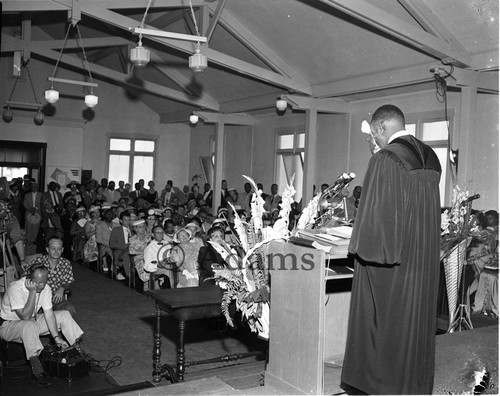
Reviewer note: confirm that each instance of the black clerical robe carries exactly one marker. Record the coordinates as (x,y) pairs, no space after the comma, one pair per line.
(392,319)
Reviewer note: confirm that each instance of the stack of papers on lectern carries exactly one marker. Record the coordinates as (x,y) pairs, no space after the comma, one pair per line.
(335,242)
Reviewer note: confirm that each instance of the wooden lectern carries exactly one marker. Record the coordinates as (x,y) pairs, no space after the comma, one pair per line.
(310,296)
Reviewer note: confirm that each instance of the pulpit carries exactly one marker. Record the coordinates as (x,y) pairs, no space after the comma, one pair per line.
(310,296)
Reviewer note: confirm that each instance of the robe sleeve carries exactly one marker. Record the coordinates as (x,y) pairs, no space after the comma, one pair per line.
(378,228)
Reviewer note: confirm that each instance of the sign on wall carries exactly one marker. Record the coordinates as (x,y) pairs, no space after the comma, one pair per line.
(63,175)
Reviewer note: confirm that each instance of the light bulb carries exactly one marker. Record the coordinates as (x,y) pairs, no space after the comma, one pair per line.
(51,95)
(91,100)
(39,118)
(193,119)
(281,104)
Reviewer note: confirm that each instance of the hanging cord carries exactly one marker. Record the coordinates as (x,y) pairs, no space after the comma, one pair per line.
(144,20)
(86,62)
(60,53)
(194,19)
(25,63)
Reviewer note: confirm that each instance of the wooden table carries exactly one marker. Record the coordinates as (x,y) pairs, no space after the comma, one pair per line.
(184,304)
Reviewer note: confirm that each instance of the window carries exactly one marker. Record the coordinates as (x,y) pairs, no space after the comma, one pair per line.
(290,161)
(131,160)
(434,132)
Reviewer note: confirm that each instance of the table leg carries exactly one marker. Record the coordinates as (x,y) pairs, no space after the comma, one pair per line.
(157,369)
(180,352)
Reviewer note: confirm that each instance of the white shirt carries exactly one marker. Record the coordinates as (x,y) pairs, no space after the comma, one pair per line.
(17,296)
(398,134)
(151,255)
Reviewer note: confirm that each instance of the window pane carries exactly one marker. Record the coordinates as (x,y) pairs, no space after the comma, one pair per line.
(435,131)
(119,144)
(441,153)
(285,141)
(288,165)
(144,145)
(301,140)
(143,168)
(410,128)
(119,168)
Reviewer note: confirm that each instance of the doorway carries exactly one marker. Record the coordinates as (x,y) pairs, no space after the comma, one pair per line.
(18,159)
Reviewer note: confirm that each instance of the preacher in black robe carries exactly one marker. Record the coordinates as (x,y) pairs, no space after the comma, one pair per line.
(392,320)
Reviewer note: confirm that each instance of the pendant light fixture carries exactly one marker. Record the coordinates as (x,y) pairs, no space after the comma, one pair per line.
(140,56)
(52,95)
(8,114)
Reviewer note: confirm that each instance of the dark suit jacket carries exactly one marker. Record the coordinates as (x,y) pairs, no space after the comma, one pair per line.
(206,257)
(117,239)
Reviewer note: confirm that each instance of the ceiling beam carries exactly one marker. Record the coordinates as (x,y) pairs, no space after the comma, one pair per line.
(217,57)
(178,116)
(226,119)
(64,5)
(247,38)
(430,22)
(482,81)
(261,102)
(215,18)
(401,30)
(375,81)
(485,61)
(121,78)
(87,43)
(320,105)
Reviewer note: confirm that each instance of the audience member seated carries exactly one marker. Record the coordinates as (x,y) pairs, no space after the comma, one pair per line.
(118,242)
(102,234)
(483,257)
(73,193)
(207,194)
(66,221)
(60,275)
(90,251)
(272,201)
(208,257)
(22,323)
(156,265)
(136,246)
(185,256)
(51,221)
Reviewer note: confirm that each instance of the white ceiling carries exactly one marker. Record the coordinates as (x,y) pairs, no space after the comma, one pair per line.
(263,48)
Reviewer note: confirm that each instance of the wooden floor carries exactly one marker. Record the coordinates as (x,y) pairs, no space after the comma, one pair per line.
(119,324)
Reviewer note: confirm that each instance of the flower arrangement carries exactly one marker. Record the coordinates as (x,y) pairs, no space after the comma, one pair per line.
(246,278)
(454,221)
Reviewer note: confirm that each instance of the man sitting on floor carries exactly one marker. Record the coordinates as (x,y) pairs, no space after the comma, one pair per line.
(22,323)
(60,275)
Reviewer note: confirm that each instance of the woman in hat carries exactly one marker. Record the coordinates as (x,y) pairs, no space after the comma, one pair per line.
(188,266)
(137,244)
(151,222)
(90,253)
(73,192)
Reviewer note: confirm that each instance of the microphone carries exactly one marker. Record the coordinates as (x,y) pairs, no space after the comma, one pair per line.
(471,198)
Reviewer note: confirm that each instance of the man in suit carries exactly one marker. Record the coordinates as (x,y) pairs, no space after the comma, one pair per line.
(273,199)
(102,235)
(169,193)
(52,210)
(207,194)
(33,216)
(118,242)
(111,194)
